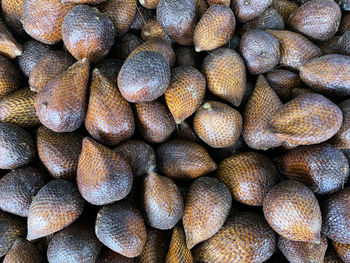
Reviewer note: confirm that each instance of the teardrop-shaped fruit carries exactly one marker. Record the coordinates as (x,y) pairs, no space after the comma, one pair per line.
(144,77)
(9,47)
(247,10)
(87,33)
(43,20)
(12,11)
(285,8)
(61,104)
(185,93)
(151,29)
(56,205)
(208,203)
(156,246)
(23,251)
(16,146)
(214,29)
(120,227)
(109,256)
(292,210)
(10,77)
(178,251)
(109,118)
(102,176)
(181,160)
(162,201)
(295,49)
(245,238)
(226,75)
(343,251)
(342,138)
(308,119)
(17,189)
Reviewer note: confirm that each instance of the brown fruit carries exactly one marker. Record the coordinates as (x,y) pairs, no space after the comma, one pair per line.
(48,68)
(23,251)
(187,56)
(61,104)
(43,21)
(214,29)
(295,49)
(12,11)
(344,23)
(178,251)
(328,74)
(322,168)
(109,118)
(9,47)
(343,251)
(342,138)
(17,189)
(260,50)
(152,29)
(156,247)
(144,77)
(10,77)
(247,10)
(343,44)
(185,93)
(178,19)
(285,8)
(331,256)
(154,121)
(296,251)
(151,4)
(186,132)
(125,45)
(292,210)
(16,146)
(183,160)
(83,1)
(110,68)
(18,108)
(249,176)
(244,238)
(141,17)
(120,227)
(219,2)
(226,75)
(109,256)
(208,203)
(102,176)
(317,19)
(217,124)
(201,7)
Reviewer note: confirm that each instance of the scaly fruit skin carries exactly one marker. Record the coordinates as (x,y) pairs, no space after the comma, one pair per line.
(292,210)
(342,138)
(23,251)
(12,11)
(9,47)
(156,246)
(10,77)
(344,44)
(110,256)
(151,29)
(247,10)
(178,251)
(331,256)
(343,251)
(285,8)
(150,4)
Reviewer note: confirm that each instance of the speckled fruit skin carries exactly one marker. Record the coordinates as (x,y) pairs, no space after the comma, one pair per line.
(247,10)
(9,47)
(23,251)
(10,77)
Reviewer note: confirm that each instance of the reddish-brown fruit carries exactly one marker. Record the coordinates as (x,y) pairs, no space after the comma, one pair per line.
(285,8)
(125,45)
(18,108)
(152,29)
(56,205)
(162,201)
(61,104)
(336,219)
(201,7)
(322,168)
(187,56)
(344,4)
(178,19)
(23,251)
(317,19)
(16,146)
(9,47)
(102,176)
(225,72)
(249,176)
(186,132)
(245,238)
(18,188)
(10,77)
(214,29)
(329,46)
(110,68)
(183,160)
(292,210)
(342,138)
(217,124)
(76,243)
(156,247)
(12,11)
(219,2)
(343,251)
(344,23)
(296,251)
(144,77)
(328,74)
(208,203)
(141,17)
(178,251)
(121,228)
(43,21)
(49,67)
(83,1)
(331,256)
(247,10)
(185,93)
(295,49)
(343,44)
(154,121)
(109,118)
(109,256)
(151,4)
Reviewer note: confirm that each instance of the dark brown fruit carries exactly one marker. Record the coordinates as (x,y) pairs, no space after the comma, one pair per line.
(141,17)
(12,11)
(121,228)
(178,19)
(186,132)
(43,21)
(201,7)
(10,77)
(156,247)
(225,72)
(342,138)
(16,146)
(344,43)
(219,2)
(9,47)
(144,77)
(103,176)
(110,68)
(151,4)
(208,203)
(56,205)
(61,104)
(183,160)
(178,251)
(109,256)
(152,29)
(344,4)
(214,29)
(331,256)
(343,251)
(59,152)
(109,118)
(23,251)
(285,8)
(249,176)
(18,188)
(317,19)
(154,121)
(245,238)
(125,45)
(292,210)
(83,1)
(187,56)
(247,10)
(344,23)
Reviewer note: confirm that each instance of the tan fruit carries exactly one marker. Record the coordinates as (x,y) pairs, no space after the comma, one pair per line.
(178,251)
(156,246)
(23,251)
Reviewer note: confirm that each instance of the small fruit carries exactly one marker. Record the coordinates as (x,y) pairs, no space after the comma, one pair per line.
(178,251)
(23,251)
